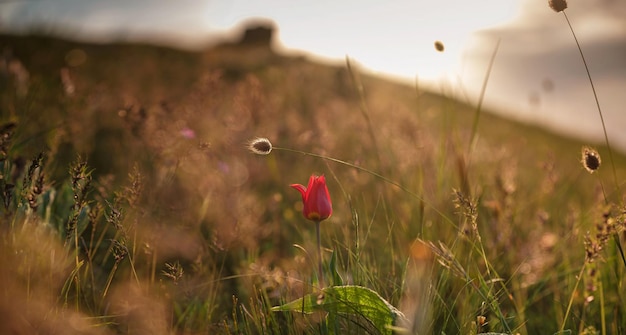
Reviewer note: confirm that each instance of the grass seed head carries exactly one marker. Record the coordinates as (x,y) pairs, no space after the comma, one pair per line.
(557,5)
(260,146)
(590,159)
(6,134)
(439,46)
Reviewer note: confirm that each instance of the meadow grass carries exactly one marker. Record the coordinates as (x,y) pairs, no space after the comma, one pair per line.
(132,204)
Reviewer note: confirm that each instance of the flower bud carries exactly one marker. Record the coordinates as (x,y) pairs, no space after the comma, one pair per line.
(315,198)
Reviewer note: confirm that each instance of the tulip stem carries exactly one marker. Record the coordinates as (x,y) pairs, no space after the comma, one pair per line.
(320,267)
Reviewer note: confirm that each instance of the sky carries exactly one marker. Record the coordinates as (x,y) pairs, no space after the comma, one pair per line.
(537,75)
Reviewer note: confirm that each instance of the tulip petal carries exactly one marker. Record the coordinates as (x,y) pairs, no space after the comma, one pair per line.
(301,189)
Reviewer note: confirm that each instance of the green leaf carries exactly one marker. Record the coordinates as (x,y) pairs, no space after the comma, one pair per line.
(348,301)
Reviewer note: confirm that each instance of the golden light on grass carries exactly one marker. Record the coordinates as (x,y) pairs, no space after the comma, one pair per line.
(195,231)
(260,146)
(590,159)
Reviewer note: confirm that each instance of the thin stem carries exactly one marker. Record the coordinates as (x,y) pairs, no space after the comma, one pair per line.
(606,136)
(320,267)
(602,309)
(571,300)
(481,98)
(358,86)
(593,88)
(619,247)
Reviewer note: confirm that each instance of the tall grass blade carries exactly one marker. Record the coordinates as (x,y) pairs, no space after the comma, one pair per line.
(481,98)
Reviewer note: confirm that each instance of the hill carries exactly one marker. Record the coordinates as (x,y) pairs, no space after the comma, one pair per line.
(161,137)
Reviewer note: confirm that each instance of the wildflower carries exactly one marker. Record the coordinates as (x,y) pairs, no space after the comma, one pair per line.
(557,5)
(317,207)
(590,159)
(260,146)
(188,133)
(316,199)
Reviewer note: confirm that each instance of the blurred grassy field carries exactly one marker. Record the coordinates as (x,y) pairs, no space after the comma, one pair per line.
(147,214)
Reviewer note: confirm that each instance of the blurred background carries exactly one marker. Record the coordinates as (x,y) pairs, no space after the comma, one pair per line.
(156,218)
(537,77)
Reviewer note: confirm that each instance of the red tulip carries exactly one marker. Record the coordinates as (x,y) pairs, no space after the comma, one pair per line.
(316,199)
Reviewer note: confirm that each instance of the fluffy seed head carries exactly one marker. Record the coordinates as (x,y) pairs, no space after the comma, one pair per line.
(591,159)
(557,5)
(260,146)
(439,46)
